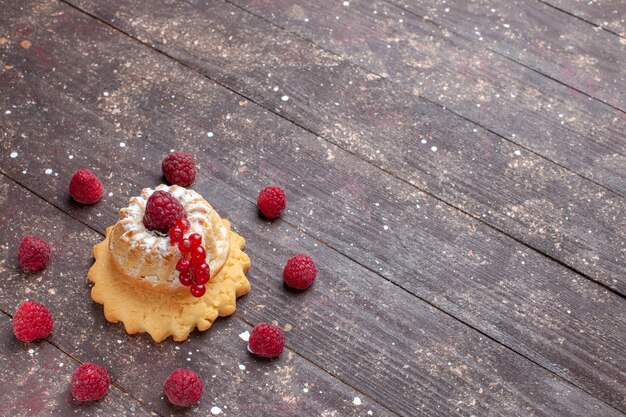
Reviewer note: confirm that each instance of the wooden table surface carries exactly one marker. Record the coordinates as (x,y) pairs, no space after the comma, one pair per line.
(456,168)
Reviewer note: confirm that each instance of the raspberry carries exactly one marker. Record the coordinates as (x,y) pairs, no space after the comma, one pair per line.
(179,168)
(32,321)
(183,387)
(85,187)
(162,211)
(33,254)
(90,382)
(272,201)
(266,340)
(300,272)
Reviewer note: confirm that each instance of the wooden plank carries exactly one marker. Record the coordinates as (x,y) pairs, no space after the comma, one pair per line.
(535,201)
(540,37)
(585,136)
(236,382)
(36,381)
(608,14)
(540,317)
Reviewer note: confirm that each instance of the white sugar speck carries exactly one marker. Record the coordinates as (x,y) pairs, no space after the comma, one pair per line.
(275,88)
(122,145)
(110,194)
(242,367)
(506,25)
(31,351)
(48,171)
(210,134)
(356,401)
(518,152)
(61,364)
(424,141)
(7,112)
(369,412)
(346,3)
(305,390)
(71,156)
(434,149)
(13,154)
(385,227)
(216,410)
(284,98)
(106,94)
(447,9)
(245,335)
(306,19)
(119,342)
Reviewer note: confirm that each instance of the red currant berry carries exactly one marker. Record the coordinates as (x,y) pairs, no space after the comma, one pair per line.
(198,290)
(176,234)
(183,264)
(202,278)
(201,270)
(184,246)
(195,239)
(183,224)
(198,254)
(185,278)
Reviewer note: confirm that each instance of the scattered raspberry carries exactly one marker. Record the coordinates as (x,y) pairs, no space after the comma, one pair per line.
(183,387)
(272,201)
(33,254)
(266,340)
(90,382)
(162,211)
(85,187)
(179,168)
(32,321)
(300,272)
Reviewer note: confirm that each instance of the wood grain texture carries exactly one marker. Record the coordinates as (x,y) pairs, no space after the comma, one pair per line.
(541,37)
(535,201)
(583,135)
(608,14)
(513,294)
(383,337)
(36,382)
(235,381)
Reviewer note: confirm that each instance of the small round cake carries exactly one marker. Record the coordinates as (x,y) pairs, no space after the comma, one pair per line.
(135,276)
(148,258)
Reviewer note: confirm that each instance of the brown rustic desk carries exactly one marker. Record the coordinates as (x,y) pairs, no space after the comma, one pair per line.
(456,168)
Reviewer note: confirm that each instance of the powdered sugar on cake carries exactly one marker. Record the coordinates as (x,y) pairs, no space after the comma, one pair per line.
(148,256)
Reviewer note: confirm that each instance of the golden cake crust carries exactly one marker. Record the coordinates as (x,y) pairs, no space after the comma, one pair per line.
(164,314)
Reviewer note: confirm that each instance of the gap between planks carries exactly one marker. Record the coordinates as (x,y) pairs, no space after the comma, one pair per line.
(441,26)
(248,323)
(492,227)
(452,316)
(581,18)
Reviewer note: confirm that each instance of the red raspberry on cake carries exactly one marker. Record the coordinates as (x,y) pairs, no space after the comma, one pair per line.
(272,201)
(85,187)
(300,272)
(32,321)
(183,387)
(162,211)
(179,168)
(90,382)
(266,340)
(33,254)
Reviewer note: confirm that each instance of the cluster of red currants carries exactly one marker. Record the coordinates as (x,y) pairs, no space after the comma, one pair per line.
(193,270)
